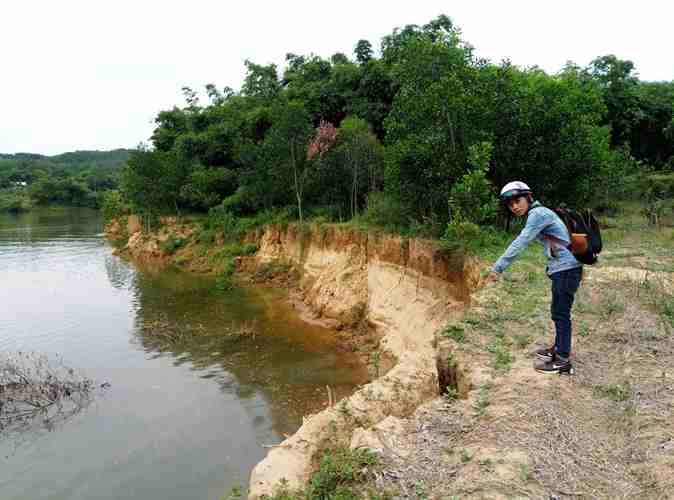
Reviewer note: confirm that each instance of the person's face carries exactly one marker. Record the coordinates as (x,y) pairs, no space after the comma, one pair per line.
(519,205)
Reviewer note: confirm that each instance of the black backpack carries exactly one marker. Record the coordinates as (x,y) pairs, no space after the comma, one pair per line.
(581,224)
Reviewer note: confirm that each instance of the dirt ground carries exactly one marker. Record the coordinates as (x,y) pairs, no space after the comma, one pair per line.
(605,432)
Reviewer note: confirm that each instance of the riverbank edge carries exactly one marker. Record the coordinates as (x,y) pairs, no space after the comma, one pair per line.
(405,289)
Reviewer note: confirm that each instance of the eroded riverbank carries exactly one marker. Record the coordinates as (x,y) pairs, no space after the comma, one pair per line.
(403,289)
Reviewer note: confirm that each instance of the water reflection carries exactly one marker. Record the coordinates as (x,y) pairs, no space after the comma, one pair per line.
(249,342)
(119,272)
(181,420)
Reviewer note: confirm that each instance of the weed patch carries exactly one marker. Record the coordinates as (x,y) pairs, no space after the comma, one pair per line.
(337,478)
(455,333)
(483,399)
(501,358)
(522,340)
(614,392)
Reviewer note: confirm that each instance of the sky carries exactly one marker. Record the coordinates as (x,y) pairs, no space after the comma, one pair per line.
(93,74)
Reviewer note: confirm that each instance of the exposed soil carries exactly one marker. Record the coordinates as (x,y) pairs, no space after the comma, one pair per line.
(605,432)
(504,431)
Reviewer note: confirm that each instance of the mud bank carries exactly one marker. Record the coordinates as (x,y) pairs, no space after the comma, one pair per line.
(405,289)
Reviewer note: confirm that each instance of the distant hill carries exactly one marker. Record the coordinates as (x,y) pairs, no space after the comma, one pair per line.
(116,157)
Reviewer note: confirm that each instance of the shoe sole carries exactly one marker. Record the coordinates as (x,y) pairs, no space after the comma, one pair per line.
(543,357)
(566,371)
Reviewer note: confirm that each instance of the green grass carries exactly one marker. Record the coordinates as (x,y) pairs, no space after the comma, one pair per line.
(229,250)
(614,392)
(337,478)
(522,340)
(524,472)
(454,332)
(501,359)
(451,394)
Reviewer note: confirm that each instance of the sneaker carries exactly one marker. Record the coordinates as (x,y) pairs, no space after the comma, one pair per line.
(557,365)
(546,354)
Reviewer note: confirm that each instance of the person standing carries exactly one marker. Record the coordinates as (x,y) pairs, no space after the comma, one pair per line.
(564,271)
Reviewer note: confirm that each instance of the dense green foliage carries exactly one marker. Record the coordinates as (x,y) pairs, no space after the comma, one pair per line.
(419,136)
(74,179)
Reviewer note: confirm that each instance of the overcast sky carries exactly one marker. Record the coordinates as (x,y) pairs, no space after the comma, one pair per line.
(92,74)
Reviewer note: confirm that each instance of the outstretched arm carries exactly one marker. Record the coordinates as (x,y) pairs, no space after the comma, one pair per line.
(535,224)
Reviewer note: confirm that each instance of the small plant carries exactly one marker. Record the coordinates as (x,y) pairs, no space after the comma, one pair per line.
(224,282)
(172,244)
(339,468)
(501,357)
(524,472)
(465,456)
(451,362)
(611,304)
(649,335)
(451,394)
(235,493)
(455,333)
(583,330)
(522,340)
(375,360)
(483,399)
(206,236)
(344,409)
(420,490)
(614,392)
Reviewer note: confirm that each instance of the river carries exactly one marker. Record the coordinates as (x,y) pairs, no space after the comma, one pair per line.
(185,421)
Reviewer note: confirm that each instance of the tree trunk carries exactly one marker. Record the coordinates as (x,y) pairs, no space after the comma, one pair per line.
(298,192)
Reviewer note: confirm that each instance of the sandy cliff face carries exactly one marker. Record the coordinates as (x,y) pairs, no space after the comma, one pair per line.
(405,288)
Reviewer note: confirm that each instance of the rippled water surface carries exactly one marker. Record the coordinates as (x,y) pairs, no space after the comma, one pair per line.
(180,421)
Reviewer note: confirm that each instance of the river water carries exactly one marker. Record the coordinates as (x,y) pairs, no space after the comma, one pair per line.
(179,421)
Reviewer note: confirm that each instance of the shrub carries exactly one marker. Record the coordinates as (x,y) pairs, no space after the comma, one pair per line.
(385,210)
(467,237)
(338,469)
(172,244)
(206,236)
(472,197)
(113,205)
(224,282)
(14,203)
(454,332)
(614,392)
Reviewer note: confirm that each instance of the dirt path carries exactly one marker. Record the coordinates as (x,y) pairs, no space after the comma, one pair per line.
(605,432)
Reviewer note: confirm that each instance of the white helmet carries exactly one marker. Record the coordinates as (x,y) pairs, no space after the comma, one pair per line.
(513,189)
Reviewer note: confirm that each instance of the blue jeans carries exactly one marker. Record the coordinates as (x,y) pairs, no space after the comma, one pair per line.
(564,287)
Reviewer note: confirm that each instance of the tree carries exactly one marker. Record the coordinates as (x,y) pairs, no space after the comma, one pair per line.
(287,143)
(363,51)
(261,81)
(363,155)
(153,180)
(339,58)
(618,86)
(206,187)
